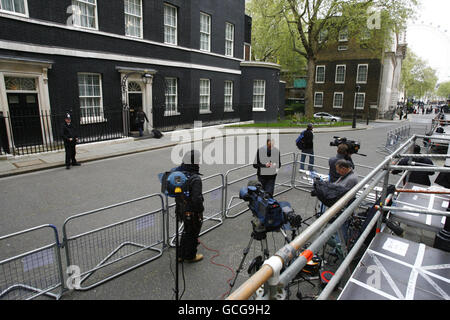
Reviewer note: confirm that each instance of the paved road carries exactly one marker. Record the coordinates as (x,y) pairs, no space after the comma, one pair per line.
(54,195)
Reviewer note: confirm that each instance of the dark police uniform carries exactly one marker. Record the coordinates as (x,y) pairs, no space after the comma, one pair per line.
(69,132)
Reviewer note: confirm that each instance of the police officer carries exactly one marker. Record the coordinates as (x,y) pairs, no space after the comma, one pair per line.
(70,138)
(190,208)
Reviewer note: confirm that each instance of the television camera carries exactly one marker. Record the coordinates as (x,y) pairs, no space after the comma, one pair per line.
(271,214)
(353,146)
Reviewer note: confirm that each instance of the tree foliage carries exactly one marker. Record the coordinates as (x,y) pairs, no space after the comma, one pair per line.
(444,90)
(418,79)
(307,26)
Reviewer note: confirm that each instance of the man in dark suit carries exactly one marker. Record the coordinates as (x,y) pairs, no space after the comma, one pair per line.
(70,137)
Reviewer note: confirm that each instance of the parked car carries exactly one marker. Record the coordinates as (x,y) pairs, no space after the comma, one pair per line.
(327,116)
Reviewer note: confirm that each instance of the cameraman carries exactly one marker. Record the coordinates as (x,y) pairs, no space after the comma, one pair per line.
(348,177)
(342,154)
(190,208)
(265,163)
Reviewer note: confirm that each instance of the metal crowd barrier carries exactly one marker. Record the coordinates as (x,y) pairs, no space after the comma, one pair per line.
(395,137)
(247,173)
(33,273)
(104,246)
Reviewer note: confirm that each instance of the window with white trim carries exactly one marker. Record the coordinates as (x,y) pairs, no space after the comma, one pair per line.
(85,15)
(318,100)
(90,94)
(205,95)
(14,6)
(343,35)
(229,39)
(228,99)
(360,99)
(338,101)
(363,71)
(259,95)
(205,32)
(170,24)
(320,74)
(171,96)
(133,18)
(340,73)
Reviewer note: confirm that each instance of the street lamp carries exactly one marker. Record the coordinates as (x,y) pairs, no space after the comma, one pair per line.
(358,88)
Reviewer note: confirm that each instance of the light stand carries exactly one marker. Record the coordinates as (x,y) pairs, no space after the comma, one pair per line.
(358,88)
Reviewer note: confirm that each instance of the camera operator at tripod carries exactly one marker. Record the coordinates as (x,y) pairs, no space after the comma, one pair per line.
(189,204)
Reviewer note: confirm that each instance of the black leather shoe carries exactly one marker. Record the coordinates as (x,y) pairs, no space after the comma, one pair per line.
(76,164)
(67,167)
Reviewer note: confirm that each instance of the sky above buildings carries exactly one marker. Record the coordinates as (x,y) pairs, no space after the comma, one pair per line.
(427,38)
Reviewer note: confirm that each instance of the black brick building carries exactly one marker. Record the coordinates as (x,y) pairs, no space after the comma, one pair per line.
(178,60)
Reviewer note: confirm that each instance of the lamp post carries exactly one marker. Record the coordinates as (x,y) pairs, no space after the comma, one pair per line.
(358,88)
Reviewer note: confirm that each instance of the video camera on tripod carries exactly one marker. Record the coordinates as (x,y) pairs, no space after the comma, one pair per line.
(353,146)
(271,214)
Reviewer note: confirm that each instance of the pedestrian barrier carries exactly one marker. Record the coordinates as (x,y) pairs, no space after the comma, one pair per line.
(34,273)
(248,173)
(145,228)
(394,138)
(99,248)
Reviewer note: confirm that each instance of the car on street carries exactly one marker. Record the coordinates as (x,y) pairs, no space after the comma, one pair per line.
(327,116)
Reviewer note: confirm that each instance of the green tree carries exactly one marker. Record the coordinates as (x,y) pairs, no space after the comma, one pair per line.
(271,38)
(444,90)
(418,79)
(314,24)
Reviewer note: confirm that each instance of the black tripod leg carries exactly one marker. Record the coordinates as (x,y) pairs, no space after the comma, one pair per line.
(246,251)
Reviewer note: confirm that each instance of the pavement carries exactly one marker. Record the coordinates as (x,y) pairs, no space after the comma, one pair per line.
(15,165)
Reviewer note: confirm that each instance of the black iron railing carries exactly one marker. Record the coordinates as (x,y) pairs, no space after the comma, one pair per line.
(29,133)
(184,116)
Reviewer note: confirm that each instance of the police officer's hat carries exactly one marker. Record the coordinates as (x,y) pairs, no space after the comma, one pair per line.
(67,116)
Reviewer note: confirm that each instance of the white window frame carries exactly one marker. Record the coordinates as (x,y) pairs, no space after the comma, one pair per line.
(336,75)
(95,118)
(140,17)
(256,93)
(324,73)
(343,32)
(334,100)
(343,48)
(208,95)
(171,112)
(175,28)
(77,20)
(228,103)
(25,6)
(367,74)
(229,42)
(315,96)
(364,100)
(207,33)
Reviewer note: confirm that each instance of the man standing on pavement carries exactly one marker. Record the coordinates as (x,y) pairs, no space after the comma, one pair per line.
(308,149)
(267,161)
(70,138)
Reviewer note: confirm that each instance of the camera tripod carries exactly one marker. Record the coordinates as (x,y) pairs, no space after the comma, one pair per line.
(260,234)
